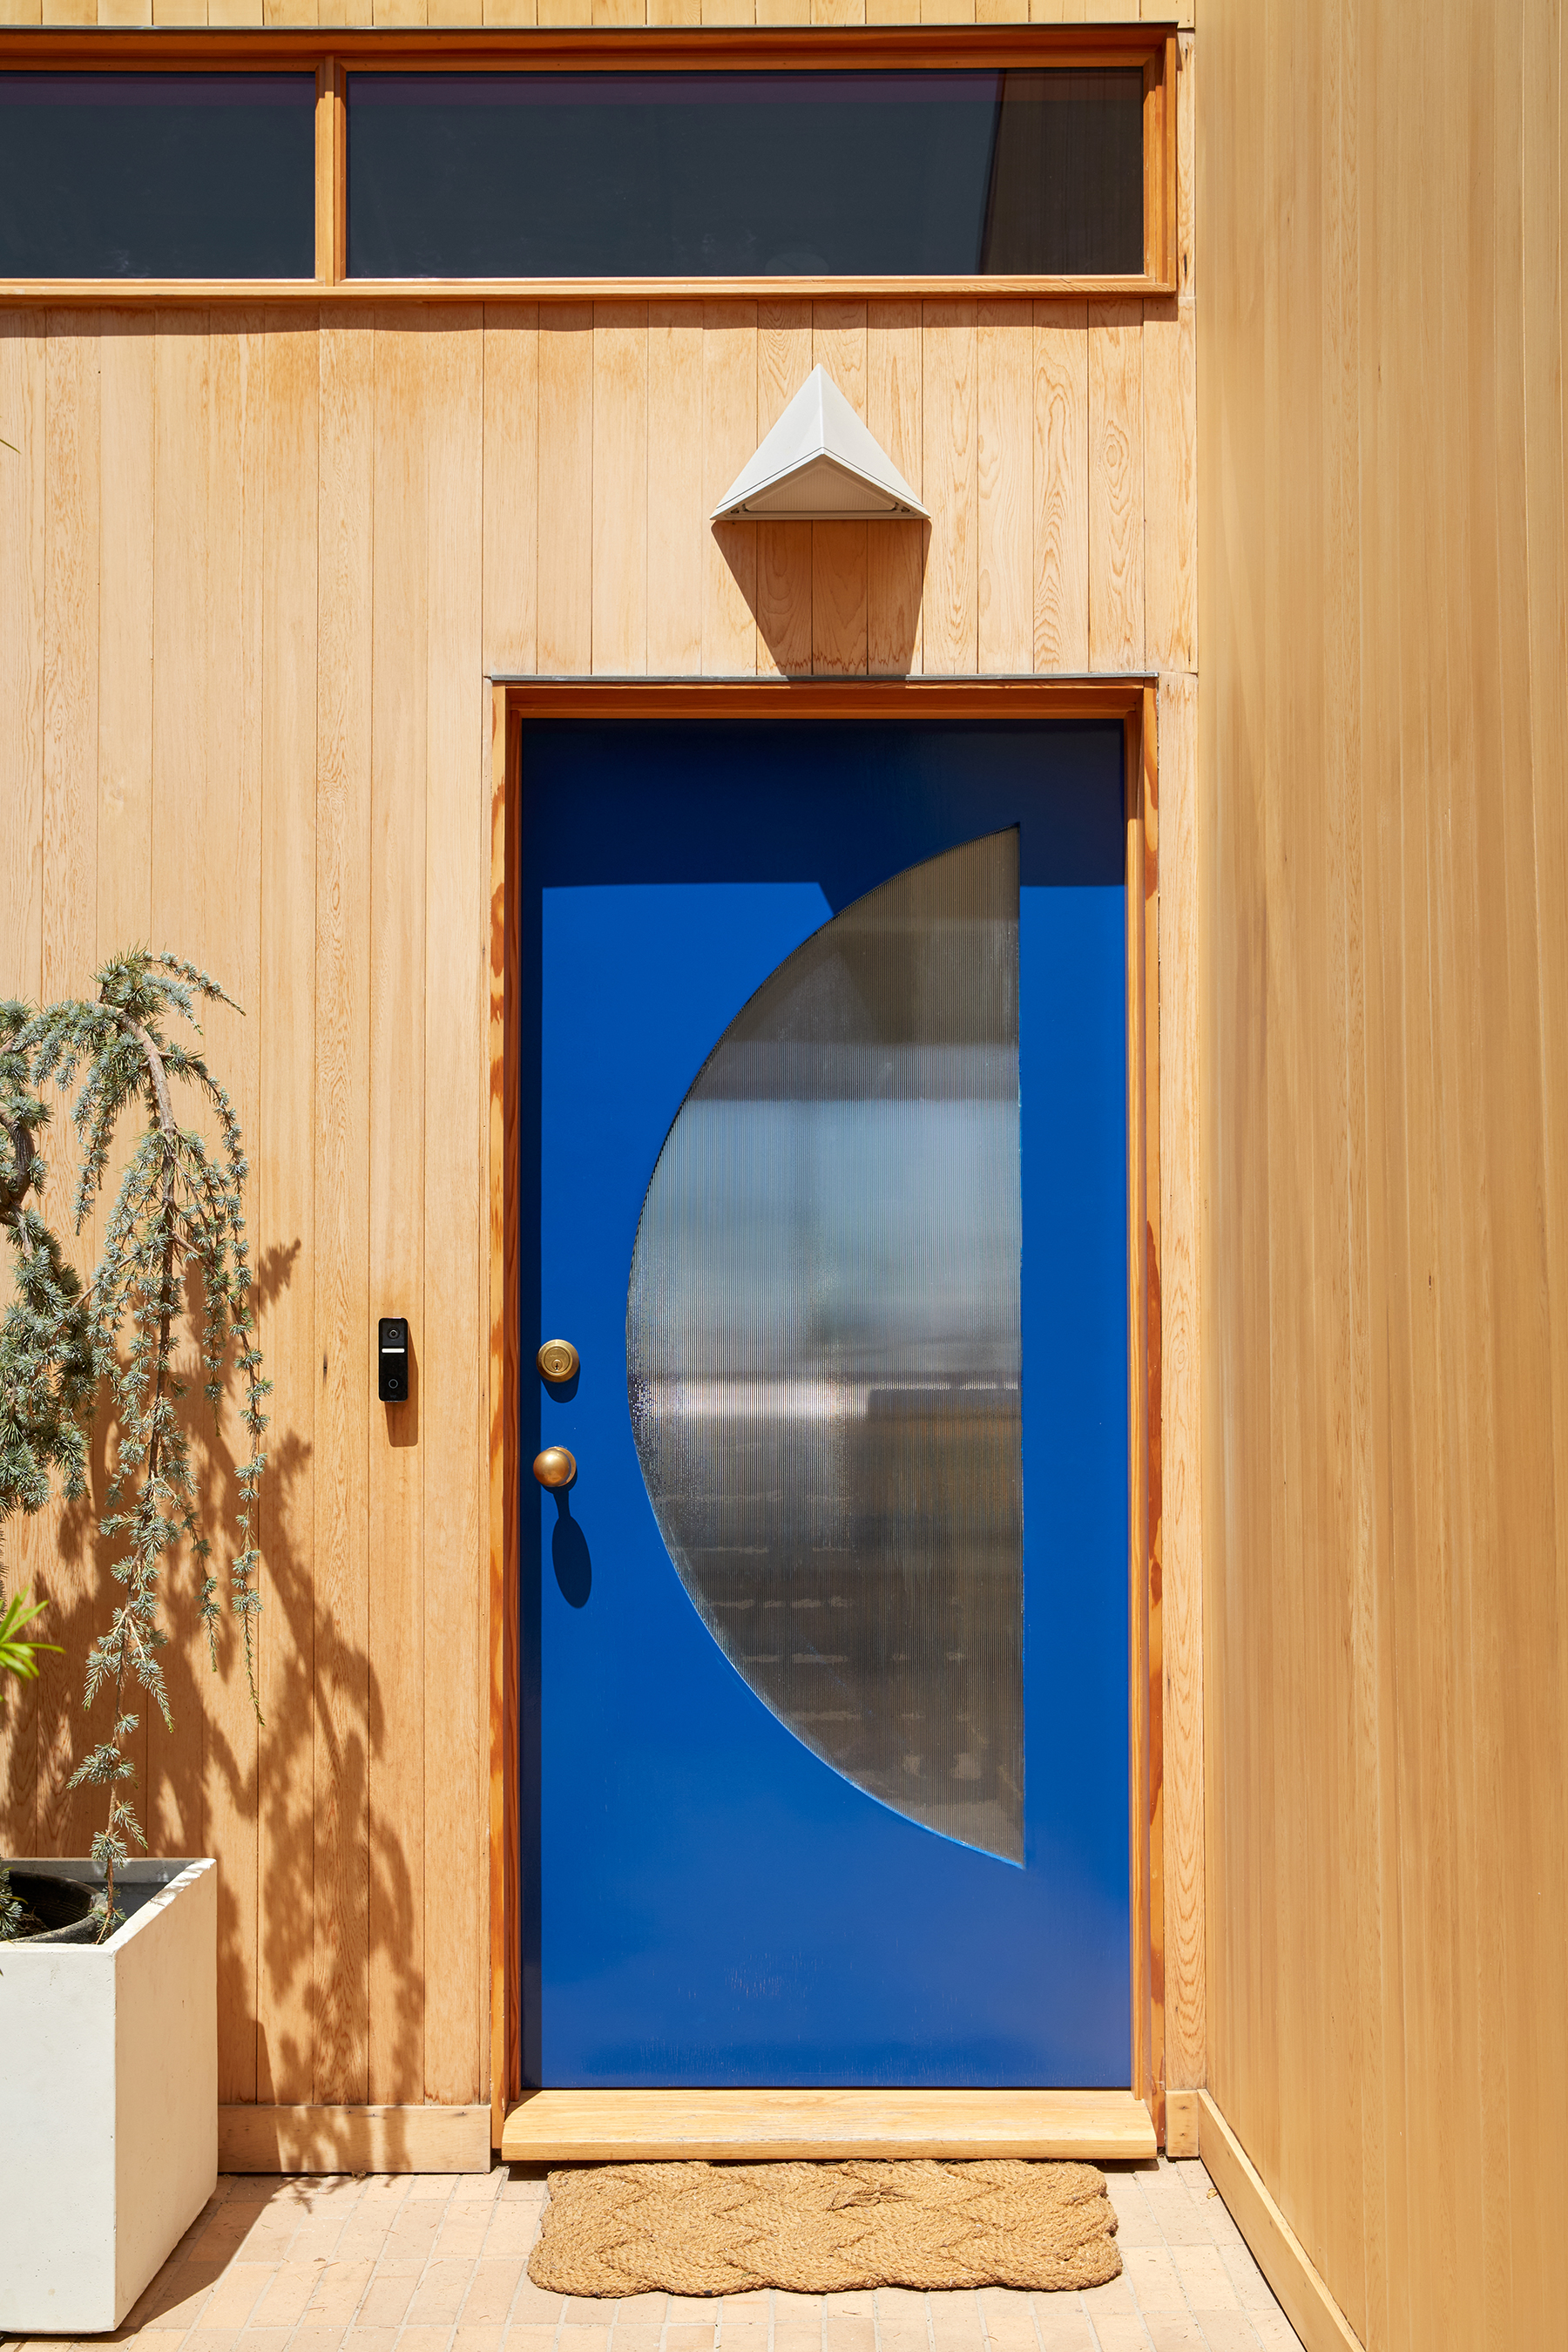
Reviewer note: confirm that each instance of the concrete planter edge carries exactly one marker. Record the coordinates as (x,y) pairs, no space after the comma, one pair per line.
(108,2102)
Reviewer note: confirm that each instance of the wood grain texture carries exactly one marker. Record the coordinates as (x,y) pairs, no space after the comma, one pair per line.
(457,860)
(728,438)
(678,550)
(895,552)
(1170,485)
(1115,486)
(1181,1326)
(511,485)
(31,1545)
(221,917)
(839,551)
(1304,2297)
(1186,164)
(23,358)
(127,356)
(332,127)
(502,1433)
(1385,1289)
(949,394)
(72,509)
(392,15)
(651,2127)
(1182,2113)
(783,548)
(344,1315)
(284,1205)
(620,472)
(182,864)
(358,2139)
(400,742)
(123,869)
(565,489)
(1060,422)
(1006,484)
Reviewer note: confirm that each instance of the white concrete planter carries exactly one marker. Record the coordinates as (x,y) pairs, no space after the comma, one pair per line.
(108,2102)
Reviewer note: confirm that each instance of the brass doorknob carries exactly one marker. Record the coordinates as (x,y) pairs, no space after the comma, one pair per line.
(555,1466)
(557,1360)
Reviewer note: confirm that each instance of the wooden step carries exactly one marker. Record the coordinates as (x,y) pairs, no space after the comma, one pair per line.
(617,2126)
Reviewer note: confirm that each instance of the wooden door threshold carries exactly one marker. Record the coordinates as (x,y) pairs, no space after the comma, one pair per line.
(621,2127)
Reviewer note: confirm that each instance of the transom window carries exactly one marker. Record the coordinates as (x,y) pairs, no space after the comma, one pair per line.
(157,175)
(1008,159)
(745,174)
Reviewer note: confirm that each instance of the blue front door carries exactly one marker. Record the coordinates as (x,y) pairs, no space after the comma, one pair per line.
(824,1652)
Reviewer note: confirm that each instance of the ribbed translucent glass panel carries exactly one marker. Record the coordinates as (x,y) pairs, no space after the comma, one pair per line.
(823,1345)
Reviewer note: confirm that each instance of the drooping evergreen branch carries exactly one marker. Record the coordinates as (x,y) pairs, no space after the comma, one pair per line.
(179,1211)
(46,1371)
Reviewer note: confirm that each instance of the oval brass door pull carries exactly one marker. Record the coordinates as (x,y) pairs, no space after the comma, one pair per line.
(558,1360)
(555,1466)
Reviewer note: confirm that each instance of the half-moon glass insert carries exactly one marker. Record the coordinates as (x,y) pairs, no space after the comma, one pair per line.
(823,1345)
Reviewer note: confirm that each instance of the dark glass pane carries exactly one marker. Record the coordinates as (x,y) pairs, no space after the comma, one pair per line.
(823,1345)
(1066,191)
(735,175)
(157,175)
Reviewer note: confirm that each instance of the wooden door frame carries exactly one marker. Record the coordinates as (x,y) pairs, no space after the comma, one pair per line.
(922,699)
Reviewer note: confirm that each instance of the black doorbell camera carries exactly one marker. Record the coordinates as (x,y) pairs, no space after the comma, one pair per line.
(391,1360)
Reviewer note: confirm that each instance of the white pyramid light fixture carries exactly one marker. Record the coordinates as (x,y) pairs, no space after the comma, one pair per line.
(820,464)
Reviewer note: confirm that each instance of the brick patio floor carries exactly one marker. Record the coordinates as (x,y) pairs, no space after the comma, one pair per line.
(425,2263)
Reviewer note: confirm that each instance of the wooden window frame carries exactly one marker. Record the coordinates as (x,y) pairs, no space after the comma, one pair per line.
(922,701)
(1151,47)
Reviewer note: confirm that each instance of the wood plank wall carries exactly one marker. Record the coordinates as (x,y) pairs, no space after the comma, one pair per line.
(1385,823)
(254,567)
(455,14)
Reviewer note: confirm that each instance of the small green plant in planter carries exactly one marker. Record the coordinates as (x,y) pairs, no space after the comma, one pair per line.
(179,1210)
(18,1657)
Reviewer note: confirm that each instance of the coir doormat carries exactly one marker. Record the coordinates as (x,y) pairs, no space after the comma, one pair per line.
(820,2229)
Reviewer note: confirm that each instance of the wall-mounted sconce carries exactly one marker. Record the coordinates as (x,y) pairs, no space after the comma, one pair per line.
(820,464)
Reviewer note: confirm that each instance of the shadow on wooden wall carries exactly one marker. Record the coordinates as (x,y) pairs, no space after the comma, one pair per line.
(198,1783)
(831,599)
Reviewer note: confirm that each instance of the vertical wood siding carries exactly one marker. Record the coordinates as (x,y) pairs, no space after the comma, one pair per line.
(254,568)
(1385,829)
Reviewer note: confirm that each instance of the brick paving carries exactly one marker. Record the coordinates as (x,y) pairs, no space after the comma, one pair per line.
(424,2264)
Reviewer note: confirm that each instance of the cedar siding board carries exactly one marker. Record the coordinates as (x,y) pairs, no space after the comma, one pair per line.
(1383,831)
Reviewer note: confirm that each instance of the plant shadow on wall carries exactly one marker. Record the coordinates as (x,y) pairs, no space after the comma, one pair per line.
(337,1894)
(178,1206)
(836,598)
(161,1335)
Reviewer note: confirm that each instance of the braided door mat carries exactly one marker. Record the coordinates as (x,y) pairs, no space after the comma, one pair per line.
(821,2228)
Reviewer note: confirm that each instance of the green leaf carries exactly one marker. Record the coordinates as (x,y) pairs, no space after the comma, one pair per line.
(17,1656)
